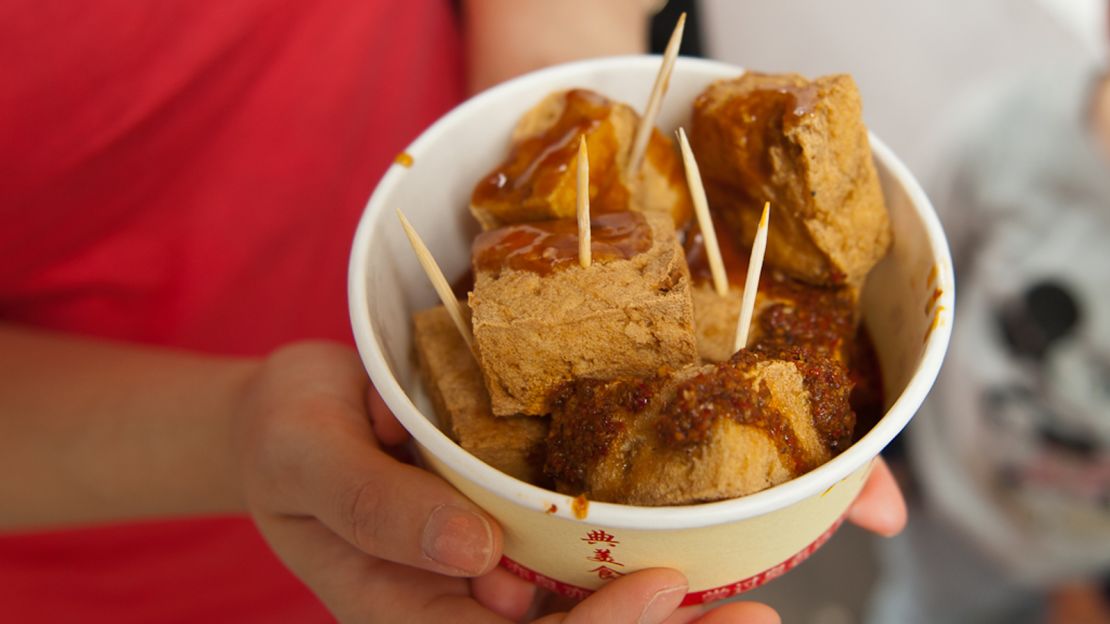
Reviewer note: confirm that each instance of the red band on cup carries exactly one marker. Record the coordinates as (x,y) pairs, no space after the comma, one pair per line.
(700,597)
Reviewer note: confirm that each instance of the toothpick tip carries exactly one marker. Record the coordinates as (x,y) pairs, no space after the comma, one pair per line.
(658,89)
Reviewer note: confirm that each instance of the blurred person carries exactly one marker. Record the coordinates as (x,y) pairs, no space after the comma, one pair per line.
(1012,450)
(180,182)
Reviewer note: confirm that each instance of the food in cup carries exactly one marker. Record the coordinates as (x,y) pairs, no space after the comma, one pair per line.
(801,145)
(768,414)
(540,319)
(825,320)
(536,181)
(608,351)
(454,383)
(725,547)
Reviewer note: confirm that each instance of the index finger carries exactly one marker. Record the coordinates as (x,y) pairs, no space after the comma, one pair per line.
(880,508)
(386,426)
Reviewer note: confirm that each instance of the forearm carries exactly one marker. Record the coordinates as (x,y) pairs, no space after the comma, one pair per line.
(95,431)
(505,38)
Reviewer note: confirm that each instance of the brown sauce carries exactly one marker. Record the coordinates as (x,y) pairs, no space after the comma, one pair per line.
(580,506)
(867,398)
(663,156)
(761,118)
(665,159)
(828,384)
(937,294)
(808,317)
(464,284)
(728,391)
(734,258)
(545,246)
(820,322)
(526,187)
(590,417)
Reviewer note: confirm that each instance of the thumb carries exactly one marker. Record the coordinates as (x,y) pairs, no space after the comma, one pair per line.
(395,511)
(312,453)
(648,596)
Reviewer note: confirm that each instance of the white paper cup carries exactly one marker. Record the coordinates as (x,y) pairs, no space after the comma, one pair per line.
(723,548)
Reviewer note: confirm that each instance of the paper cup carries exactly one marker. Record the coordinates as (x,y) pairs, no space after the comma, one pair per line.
(723,548)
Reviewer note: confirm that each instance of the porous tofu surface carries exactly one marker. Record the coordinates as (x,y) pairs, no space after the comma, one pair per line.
(626,316)
(454,383)
(802,146)
(705,433)
(538,179)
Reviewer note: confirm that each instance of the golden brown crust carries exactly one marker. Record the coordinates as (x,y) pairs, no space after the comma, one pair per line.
(454,383)
(537,181)
(626,317)
(802,146)
(705,433)
(787,313)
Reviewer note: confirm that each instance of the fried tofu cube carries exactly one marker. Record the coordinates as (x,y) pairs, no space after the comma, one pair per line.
(540,319)
(538,179)
(705,433)
(453,381)
(802,146)
(787,313)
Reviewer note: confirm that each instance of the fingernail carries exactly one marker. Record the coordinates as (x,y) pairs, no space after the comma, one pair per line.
(662,604)
(458,538)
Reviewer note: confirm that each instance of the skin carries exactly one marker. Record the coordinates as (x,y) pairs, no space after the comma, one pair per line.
(99,431)
(296,440)
(537,34)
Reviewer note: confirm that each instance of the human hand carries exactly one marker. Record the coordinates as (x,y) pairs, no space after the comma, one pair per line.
(377,539)
(879,507)
(380,540)
(374,538)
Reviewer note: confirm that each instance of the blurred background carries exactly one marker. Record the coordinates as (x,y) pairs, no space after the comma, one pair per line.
(926,71)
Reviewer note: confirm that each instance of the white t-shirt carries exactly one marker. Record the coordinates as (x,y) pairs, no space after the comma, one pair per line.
(1014,442)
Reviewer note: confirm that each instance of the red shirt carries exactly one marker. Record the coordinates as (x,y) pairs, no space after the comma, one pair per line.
(190,173)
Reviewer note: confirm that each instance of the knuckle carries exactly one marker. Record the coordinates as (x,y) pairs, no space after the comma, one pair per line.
(361,509)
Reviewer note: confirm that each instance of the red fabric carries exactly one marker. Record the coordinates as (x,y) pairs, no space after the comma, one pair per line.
(190,173)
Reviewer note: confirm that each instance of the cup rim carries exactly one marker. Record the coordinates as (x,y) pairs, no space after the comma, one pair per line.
(527,495)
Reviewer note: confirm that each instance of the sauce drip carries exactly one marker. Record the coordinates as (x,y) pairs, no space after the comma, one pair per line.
(764,117)
(587,417)
(734,258)
(404,159)
(664,158)
(757,123)
(545,246)
(536,182)
(729,390)
(820,320)
(580,506)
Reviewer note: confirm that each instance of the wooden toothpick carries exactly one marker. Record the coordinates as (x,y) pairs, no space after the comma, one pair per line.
(439,282)
(705,222)
(751,284)
(658,90)
(583,204)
